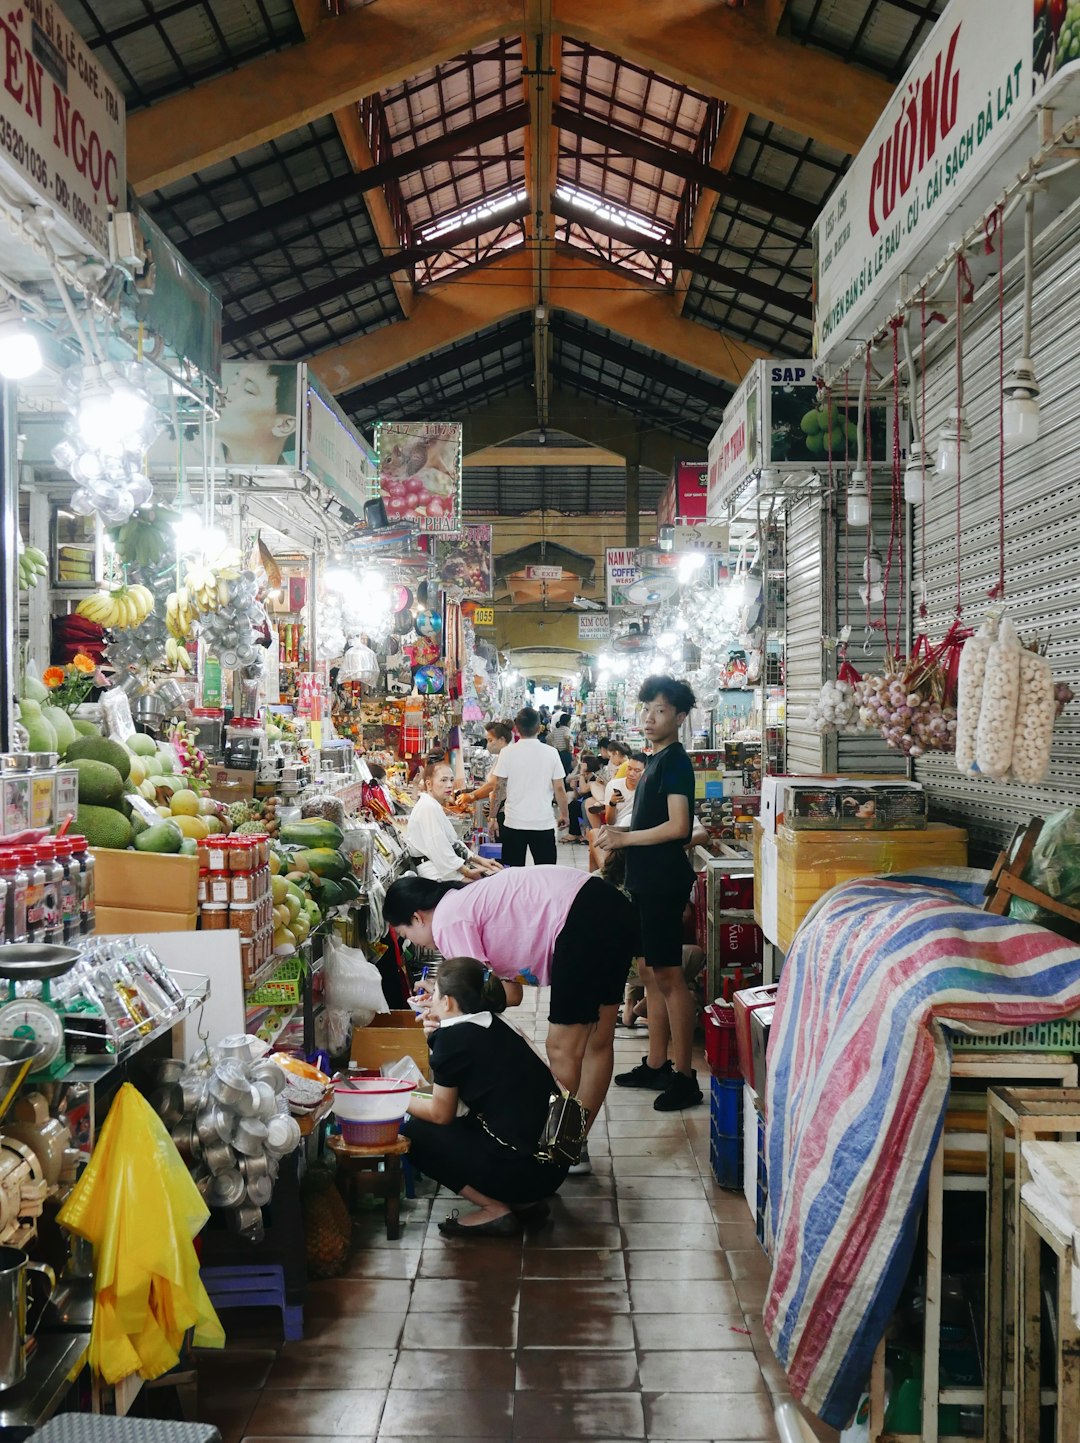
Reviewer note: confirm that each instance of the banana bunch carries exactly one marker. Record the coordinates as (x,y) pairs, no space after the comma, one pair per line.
(179,616)
(207,590)
(176,654)
(33,565)
(124,607)
(147,538)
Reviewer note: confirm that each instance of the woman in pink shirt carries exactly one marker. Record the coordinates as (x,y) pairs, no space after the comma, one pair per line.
(541,926)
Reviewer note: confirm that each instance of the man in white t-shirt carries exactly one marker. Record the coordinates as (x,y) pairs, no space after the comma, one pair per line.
(619,792)
(533,773)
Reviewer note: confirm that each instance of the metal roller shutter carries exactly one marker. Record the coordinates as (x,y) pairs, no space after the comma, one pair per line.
(1042,523)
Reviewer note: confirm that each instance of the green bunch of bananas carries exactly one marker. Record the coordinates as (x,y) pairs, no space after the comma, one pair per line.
(33,565)
(147,538)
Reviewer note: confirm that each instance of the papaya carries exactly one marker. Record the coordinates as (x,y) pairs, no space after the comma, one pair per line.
(331,894)
(326,863)
(350,886)
(312,832)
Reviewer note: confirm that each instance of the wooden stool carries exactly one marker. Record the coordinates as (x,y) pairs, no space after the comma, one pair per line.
(359,1167)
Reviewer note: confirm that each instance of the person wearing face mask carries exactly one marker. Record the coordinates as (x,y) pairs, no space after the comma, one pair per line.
(431,837)
(489,1156)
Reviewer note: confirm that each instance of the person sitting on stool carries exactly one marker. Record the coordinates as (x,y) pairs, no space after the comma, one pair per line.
(489,1156)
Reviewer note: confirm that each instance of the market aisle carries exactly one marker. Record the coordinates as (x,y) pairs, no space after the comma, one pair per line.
(635,1315)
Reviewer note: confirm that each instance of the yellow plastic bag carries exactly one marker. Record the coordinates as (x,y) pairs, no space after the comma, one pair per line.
(138,1207)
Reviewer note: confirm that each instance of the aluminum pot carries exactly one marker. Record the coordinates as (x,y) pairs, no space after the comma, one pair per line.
(169,1070)
(267,1101)
(168,1103)
(248,1106)
(227,1189)
(259,1191)
(23,1285)
(271,1073)
(228,1083)
(250,1138)
(245,1219)
(282,1134)
(254,1169)
(193,1090)
(217,1157)
(183,1136)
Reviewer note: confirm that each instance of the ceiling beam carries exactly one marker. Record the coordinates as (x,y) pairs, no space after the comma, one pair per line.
(385,388)
(645,363)
(732,54)
(732,128)
(740,281)
(347,57)
(681,162)
(532,457)
(336,290)
(542,59)
(309,202)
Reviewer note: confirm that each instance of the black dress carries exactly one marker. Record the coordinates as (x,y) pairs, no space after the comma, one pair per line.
(502,1080)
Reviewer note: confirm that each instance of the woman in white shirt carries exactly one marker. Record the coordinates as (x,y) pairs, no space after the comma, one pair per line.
(431,836)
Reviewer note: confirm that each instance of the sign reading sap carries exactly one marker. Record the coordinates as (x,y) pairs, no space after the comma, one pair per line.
(788,375)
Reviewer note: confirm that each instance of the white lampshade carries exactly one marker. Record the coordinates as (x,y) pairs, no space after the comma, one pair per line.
(858,500)
(1021,411)
(954,445)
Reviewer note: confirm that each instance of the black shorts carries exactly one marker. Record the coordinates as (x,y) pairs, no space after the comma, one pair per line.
(593,953)
(660,919)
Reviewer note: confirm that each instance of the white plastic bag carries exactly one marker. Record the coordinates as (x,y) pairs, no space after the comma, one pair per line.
(353,984)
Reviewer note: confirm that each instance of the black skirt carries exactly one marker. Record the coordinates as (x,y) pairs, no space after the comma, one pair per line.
(461,1154)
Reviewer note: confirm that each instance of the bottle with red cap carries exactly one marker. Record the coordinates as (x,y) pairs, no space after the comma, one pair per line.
(14,876)
(35,894)
(70,888)
(52,916)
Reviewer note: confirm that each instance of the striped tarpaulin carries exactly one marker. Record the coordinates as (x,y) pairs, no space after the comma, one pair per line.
(858,1080)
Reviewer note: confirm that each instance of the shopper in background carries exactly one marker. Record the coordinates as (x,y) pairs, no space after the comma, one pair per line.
(659,879)
(559,738)
(430,835)
(534,778)
(618,755)
(488,1156)
(580,783)
(616,809)
(498,736)
(540,926)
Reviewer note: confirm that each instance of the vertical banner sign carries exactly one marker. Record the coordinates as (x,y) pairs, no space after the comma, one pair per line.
(470,564)
(961,103)
(734,450)
(419,465)
(61,123)
(333,450)
(622,571)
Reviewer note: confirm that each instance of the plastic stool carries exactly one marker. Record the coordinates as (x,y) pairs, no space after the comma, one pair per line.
(359,1172)
(254,1285)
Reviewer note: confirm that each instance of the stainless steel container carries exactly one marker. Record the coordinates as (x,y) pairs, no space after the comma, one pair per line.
(23,1285)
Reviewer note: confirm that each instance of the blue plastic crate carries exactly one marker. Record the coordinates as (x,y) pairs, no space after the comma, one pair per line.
(725,1105)
(725,1158)
(491,850)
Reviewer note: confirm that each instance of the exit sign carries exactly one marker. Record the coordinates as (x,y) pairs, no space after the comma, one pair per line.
(543,573)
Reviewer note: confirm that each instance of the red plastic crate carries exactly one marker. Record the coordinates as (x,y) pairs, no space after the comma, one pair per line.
(738,944)
(721,1051)
(735,890)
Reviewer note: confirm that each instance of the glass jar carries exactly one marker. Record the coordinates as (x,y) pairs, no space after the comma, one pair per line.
(215,854)
(70,889)
(242,887)
(218,889)
(35,894)
(243,918)
(203,891)
(82,854)
(52,915)
(214,917)
(15,878)
(242,853)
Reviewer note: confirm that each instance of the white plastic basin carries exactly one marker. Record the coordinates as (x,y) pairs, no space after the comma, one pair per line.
(372,1099)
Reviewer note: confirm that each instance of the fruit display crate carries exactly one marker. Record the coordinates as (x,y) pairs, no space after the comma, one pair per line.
(282,988)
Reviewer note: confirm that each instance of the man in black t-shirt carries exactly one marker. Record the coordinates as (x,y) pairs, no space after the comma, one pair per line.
(659,879)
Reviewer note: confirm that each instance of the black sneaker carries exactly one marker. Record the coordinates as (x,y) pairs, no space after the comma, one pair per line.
(655,1079)
(682,1091)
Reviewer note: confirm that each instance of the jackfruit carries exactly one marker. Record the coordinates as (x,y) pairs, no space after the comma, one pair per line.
(101,749)
(103,827)
(100,785)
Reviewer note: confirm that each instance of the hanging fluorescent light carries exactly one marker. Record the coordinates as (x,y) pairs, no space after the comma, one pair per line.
(954,445)
(858,500)
(112,413)
(20,354)
(1021,404)
(916,481)
(689,564)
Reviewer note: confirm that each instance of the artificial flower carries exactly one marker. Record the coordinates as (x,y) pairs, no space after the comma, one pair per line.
(86,664)
(54,677)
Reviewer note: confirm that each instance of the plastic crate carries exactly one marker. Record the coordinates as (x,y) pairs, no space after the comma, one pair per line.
(725,1109)
(283,986)
(1041,1037)
(721,1051)
(491,850)
(725,1159)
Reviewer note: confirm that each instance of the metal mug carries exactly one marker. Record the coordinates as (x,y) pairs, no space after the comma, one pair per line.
(19,1277)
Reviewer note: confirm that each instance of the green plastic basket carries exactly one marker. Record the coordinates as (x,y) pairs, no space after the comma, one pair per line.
(283,986)
(1061,1036)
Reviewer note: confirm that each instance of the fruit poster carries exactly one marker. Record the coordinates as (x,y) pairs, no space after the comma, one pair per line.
(469,563)
(419,471)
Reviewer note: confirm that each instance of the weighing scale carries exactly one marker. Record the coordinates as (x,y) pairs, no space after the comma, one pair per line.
(36,1019)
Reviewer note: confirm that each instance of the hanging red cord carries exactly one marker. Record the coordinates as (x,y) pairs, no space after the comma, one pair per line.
(922,435)
(995,226)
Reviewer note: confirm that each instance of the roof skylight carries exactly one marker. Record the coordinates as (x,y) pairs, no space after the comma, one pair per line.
(603,210)
(484,209)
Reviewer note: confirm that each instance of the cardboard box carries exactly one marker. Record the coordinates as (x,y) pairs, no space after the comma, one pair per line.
(747,1002)
(120,921)
(232,784)
(390,1037)
(858,806)
(777,791)
(766,883)
(761,1023)
(146,882)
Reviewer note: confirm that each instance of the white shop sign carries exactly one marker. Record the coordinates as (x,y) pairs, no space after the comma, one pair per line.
(733,451)
(543,573)
(707,536)
(334,451)
(595,626)
(961,101)
(622,571)
(61,122)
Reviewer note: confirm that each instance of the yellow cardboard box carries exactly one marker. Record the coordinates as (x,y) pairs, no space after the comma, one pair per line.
(390,1037)
(148,881)
(119,921)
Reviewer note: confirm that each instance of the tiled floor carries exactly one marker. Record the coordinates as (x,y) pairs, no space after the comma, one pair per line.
(635,1315)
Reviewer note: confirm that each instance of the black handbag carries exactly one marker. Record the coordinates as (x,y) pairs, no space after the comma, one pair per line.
(564,1132)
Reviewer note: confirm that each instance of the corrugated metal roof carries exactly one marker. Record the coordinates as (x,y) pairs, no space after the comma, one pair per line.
(576,490)
(882,35)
